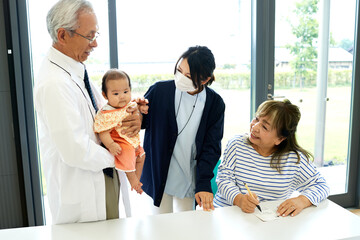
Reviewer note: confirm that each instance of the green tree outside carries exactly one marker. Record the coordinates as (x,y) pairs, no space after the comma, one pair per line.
(305,29)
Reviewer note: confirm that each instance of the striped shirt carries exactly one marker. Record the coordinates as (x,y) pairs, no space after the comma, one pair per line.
(242,163)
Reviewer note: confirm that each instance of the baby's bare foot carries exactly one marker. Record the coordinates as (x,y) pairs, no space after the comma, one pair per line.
(138,188)
(135,183)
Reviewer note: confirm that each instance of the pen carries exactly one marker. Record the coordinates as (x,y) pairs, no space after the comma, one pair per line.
(248,189)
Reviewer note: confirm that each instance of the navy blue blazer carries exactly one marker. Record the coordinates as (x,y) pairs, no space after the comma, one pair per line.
(161,133)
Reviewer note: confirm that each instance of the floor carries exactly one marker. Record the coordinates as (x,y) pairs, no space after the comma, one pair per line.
(356,211)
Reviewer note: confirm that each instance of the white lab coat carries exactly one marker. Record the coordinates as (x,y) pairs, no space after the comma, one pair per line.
(71,155)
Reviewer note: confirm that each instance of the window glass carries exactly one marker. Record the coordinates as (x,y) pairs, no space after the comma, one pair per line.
(297,49)
(153,36)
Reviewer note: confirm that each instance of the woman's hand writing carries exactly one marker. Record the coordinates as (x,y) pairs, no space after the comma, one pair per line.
(246,202)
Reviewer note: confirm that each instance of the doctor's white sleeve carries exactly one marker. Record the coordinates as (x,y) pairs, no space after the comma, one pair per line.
(69,125)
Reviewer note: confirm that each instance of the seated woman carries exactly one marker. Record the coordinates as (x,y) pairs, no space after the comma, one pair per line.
(271,162)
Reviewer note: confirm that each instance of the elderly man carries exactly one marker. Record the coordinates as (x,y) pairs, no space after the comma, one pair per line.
(73,161)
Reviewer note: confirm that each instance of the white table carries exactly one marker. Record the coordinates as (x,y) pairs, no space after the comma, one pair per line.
(327,221)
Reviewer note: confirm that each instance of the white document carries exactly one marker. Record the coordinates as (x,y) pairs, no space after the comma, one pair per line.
(268,212)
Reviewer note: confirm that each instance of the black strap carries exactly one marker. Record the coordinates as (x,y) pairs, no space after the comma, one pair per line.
(108,172)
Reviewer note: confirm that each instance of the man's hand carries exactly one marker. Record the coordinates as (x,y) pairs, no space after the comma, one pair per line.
(132,123)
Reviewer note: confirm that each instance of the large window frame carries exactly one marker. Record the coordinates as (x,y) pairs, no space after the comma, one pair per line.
(20,72)
(352,197)
(263,43)
(262,76)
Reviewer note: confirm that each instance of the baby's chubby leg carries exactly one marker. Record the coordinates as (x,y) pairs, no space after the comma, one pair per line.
(139,164)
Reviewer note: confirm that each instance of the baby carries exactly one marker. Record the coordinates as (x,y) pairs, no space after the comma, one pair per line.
(129,155)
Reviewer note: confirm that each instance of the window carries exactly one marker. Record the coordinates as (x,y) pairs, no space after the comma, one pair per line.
(324,100)
(151,41)
(153,34)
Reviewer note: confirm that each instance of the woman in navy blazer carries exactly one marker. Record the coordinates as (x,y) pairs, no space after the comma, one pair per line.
(184,128)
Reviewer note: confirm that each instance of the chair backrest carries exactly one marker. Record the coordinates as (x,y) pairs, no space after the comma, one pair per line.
(213,180)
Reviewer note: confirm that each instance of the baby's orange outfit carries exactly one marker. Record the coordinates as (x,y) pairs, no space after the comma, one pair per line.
(112,119)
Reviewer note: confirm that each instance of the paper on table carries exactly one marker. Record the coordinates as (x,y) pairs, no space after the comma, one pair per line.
(268,211)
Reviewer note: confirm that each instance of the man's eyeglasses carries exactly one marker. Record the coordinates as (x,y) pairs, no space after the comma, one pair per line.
(91,40)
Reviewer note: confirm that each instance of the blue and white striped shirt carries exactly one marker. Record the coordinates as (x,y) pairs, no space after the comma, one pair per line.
(242,163)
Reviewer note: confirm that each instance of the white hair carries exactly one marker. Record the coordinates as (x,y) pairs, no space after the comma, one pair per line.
(65,14)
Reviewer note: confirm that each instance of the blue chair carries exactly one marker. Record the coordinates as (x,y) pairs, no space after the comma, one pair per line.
(213,180)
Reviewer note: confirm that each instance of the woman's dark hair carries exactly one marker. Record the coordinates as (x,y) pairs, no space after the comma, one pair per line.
(285,117)
(113,74)
(201,63)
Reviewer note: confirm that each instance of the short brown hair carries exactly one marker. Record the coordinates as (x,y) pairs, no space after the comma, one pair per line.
(285,117)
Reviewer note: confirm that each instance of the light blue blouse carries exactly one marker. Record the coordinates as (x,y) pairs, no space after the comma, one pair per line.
(181,176)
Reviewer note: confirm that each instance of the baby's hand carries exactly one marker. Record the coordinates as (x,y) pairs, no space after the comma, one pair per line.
(141,101)
(144,109)
(114,149)
(142,104)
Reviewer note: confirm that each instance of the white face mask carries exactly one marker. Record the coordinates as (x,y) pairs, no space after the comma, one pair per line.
(183,83)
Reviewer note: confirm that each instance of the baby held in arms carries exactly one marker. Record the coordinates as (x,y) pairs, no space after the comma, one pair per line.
(129,155)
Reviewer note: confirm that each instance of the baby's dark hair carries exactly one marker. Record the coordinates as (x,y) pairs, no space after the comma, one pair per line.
(113,74)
